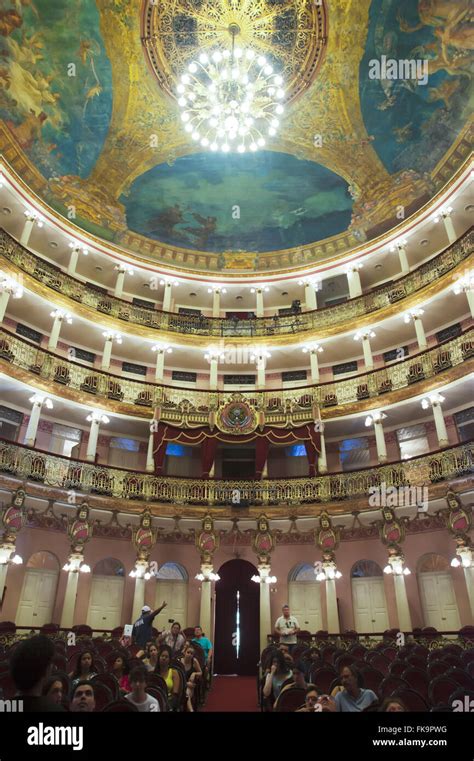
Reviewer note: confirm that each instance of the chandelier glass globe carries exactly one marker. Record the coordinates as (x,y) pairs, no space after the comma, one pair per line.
(231,100)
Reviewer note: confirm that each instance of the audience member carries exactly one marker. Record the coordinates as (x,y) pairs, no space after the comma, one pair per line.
(143,627)
(310,700)
(30,667)
(205,643)
(151,658)
(175,639)
(353,697)
(138,696)
(193,673)
(393,705)
(82,698)
(287,627)
(54,690)
(85,668)
(120,672)
(278,673)
(170,675)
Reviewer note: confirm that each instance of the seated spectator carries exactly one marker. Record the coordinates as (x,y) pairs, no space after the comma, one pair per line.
(353,697)
(84,670)
(120,672)
(175,639)
(310,701)
(297,679)
(82,698)
(151,658)
(193,673)
(143,702)
(393,705)
(278,673)
(205,643)
(53,689)
(170,675)
(30,667)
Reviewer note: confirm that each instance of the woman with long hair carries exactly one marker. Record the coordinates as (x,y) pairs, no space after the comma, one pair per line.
(278,673)
(170,675)
(120,672)
(150,660)
(85,668)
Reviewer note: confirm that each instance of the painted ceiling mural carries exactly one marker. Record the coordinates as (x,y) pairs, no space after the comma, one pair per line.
(89,119)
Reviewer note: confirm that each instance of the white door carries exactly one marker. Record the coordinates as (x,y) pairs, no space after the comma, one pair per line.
(175,594)
(370,605)
(305,604)
(37,597)
(105,602)
(438,599)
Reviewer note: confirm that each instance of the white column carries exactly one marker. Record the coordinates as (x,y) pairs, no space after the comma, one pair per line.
(205,607)
(67,615)
(367,349)
(331,606)
(265,611)
(27,228)
(313,358)
(469,577)
(216,299)
(107,353)
(4,299)
(161,350)
(420,333)
(260,307)
(403,610)
(3,577)
(59,317)
(402,255)
(71,268)
(118,290)
(150,462)
(310,299)
(261,372)
(166,307)
(37,400)
(441,431)
(95,419)
(213,363)
(380,441)
(353,281)
(138,597)
(322,460)
(470,300)
(449,227)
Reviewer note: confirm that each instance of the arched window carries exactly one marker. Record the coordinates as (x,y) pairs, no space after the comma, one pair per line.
(43,560)
(364,569)
(109,567)
(302,572)
(432,562)
(172,572)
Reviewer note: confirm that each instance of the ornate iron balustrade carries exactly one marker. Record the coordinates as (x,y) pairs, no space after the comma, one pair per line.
(62,473)
(190,407)
(339,314)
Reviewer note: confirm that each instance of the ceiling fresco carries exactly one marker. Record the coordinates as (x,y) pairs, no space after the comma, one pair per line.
(88,117)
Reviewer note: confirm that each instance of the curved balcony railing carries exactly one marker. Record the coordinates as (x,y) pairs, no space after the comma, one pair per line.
(339,314)
(191,407)
(62,473)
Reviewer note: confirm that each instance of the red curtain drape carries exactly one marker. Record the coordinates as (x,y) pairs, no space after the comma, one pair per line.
(208,454)
(204,436)
(261,453)
(311,455)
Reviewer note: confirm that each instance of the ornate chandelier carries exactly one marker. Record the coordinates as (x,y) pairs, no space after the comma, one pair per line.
(231,100)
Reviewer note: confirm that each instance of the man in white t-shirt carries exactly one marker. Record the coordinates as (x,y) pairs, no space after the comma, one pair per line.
(286,628)
(138,697)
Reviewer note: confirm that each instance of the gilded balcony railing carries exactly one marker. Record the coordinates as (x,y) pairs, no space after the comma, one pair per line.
(62,473)
(191,407)
(339,314)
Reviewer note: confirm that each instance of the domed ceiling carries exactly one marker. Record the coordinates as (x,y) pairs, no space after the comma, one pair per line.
(89,119)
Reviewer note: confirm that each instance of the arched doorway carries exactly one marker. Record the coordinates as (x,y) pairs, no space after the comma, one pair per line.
(438,598)
(368,597)
(237,628)
(304,594)
(106,597)
(171,586)
(38,592)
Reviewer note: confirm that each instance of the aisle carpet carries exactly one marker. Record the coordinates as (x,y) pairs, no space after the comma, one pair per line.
(232,693)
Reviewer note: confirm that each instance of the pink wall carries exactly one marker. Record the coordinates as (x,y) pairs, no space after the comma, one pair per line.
(284,559)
